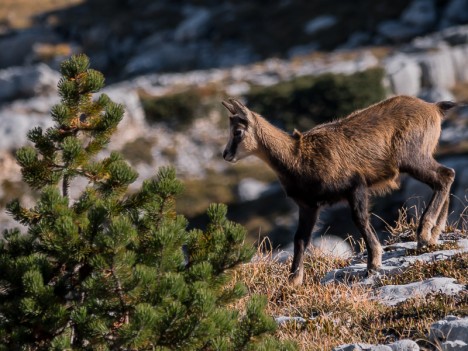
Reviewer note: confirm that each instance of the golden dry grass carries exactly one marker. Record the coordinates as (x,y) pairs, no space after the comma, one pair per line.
(20,13)
(337,313)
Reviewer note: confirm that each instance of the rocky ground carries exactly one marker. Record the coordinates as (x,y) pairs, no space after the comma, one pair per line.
(450,333)
(418,301)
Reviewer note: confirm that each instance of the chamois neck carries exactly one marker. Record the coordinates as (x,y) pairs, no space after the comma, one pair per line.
(277,148)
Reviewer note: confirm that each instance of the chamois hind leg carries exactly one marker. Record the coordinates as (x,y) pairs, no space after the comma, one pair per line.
(439,178)
(441,221)
(359,203)
(307,219)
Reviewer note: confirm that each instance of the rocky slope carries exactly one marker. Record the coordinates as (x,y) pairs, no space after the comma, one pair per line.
(128,37)
(449,334)
(431,66)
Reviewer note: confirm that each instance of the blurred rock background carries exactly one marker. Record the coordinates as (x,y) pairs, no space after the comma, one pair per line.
(299,63)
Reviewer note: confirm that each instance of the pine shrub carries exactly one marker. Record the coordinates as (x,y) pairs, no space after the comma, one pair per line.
(108,270)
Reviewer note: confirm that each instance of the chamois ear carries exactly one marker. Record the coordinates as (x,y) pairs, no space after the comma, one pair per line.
(229,107)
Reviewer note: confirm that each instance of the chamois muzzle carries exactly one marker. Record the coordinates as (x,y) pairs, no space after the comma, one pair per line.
(228,156)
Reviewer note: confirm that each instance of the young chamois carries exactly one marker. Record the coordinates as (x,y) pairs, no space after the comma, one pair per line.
(350,159)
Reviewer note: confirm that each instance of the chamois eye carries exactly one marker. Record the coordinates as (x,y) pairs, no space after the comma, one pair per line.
(238,133)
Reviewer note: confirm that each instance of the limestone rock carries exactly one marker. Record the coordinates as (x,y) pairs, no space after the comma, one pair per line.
(455,12)
(17,48)
(28,81)
(404,74)
(404,345)
(319,23)
(420,13)
(393,294)
(250,189)
(437,69)
(451,333)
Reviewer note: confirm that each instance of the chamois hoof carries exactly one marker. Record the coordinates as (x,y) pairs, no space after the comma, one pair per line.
(295,279)
(373,272)
(422,244)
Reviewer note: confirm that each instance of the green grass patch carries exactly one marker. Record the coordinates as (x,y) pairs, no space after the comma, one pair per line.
(179,109)
(306,101)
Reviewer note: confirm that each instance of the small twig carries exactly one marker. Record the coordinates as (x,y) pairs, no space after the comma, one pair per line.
(65,185)
(119,291)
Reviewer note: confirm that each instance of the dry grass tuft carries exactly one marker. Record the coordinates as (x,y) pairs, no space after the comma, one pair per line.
(448,245)
(455,267)
(20,14)
(405,226)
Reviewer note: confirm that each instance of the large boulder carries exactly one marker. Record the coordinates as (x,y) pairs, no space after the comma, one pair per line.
(404,74)
(417,18)
(437,69)
(195,25)
(451,333)
(133,124)
(18,118)
(421,14)
(391,295)
(459,56)
(17,48)
(28,81)
(455,12)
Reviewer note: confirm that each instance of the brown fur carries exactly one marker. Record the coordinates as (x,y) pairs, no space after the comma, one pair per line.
(349,159)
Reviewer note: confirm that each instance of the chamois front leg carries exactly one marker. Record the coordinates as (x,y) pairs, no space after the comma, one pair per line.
(359,202)
(307,219)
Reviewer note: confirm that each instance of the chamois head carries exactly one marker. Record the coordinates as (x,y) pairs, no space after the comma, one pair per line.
(242,140)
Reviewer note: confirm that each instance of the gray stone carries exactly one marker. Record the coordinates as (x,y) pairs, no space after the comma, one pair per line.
(333,245)
(195,25)
(319,23)
(456,12)
(133,124)
(436,94)
(165,57)
(362,347)
(22,82)
(15,49)
(14,128)
(301,50)
(393,294)
(420,13)
(380,348)
(394,261)
(418,17)
(404,74)
(354,347)
(404,345)
(459,56)
(451,332)
(437,69)
(250,189)
(356,39)
(284,319)
(397,31)
(453,36)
